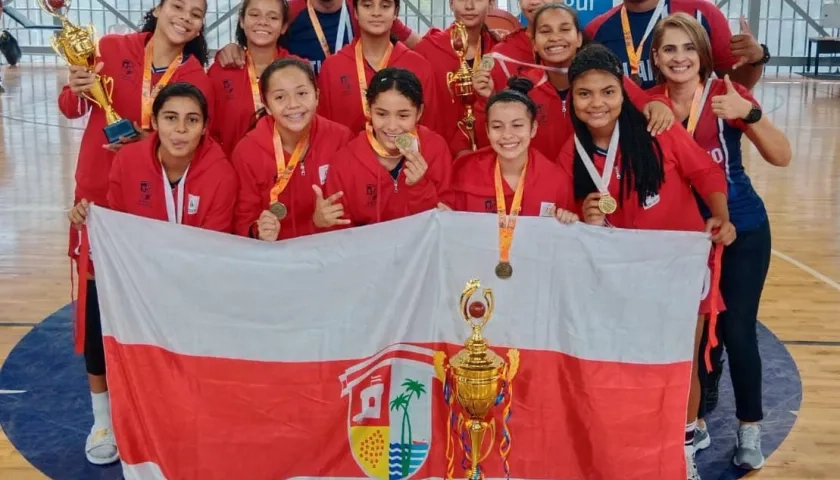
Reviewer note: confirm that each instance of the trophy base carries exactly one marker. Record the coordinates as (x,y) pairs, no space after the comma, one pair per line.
(121,129)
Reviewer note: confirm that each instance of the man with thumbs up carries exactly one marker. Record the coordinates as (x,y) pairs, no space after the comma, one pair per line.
(627,30)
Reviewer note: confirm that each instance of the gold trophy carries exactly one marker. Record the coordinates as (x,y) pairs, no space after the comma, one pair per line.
(460,81)
(77,46)
(481,380)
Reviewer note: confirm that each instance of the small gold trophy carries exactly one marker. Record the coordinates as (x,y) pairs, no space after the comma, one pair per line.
(77,46)
(460,81)
(481,380)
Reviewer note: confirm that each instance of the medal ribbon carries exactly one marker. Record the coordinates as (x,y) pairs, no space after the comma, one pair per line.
(697,105)
(149,93)
(634,54)
(379,148)
(601,181)
(507,223)
(170,201)
(360,72)
(504,59)
(254,80)
(284,171)
(319,31)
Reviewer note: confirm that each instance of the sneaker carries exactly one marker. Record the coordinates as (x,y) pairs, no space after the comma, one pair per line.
(101,447)
(748,448)
(691,472)
(702,439)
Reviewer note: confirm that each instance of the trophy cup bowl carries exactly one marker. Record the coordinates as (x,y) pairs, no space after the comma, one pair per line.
(478,373)
(77,46)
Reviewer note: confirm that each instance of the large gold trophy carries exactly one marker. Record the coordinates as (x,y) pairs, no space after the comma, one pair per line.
(460,82)
(77,46)
(480,380)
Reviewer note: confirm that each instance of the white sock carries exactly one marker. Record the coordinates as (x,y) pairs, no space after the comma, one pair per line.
(101,410)
(689,437)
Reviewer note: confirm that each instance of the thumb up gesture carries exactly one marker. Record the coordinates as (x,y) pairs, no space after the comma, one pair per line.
(731,106)
(744,46)
(328,213)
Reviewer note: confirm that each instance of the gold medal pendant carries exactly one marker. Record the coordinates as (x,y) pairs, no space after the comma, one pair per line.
(404,141)
(504,270)
(279,210)
(487,63)
(607,204)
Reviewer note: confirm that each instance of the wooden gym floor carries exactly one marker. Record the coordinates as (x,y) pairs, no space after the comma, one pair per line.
(38,149)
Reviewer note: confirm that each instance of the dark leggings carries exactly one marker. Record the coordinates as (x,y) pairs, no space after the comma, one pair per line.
(744,269)
(94,349)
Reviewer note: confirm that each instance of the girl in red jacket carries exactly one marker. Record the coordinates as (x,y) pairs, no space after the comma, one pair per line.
(170,48)
(259,31)
(393,169)
(511,177)
(344,76)
(557,37)
(287,152)
(624,177)
(436,46)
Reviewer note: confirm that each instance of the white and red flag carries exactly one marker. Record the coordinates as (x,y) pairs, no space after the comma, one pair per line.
(230,358)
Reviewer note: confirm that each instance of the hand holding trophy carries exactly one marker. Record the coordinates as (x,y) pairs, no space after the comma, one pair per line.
(77,46)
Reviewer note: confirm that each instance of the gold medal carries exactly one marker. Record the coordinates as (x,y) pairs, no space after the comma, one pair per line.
(279,210)
(404,141)
(487,63)
(607,204)
(504,270)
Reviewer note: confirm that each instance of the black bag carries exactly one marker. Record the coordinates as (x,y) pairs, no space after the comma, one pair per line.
(9,48)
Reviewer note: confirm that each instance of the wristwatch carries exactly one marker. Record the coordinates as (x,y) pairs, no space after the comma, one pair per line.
(765,58)
(753,116)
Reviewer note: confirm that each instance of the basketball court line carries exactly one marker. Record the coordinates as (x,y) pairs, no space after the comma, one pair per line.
(819,276)
(18,324)
(812,343)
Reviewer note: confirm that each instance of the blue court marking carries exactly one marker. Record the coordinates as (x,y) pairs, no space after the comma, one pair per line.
(49,421)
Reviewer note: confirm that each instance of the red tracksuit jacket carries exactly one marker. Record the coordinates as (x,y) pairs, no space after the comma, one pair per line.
(137,186)
(687,168)
(436,47)
(254,162)
(340,99)
(516,45)
(473,185)
(371,195)
(123,56)
(234,102)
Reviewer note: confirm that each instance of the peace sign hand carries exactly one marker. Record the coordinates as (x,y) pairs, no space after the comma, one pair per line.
(327,212)
(744,46)
(415,166)
(732,105)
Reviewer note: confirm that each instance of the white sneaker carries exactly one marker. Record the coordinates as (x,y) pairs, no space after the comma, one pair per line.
(101,447)
(691,472)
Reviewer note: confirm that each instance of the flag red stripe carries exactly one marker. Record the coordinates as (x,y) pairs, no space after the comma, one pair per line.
(213,418)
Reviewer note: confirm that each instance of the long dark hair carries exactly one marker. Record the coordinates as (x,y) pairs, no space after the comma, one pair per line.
(181,90)
(240,36)
(197,47)
(641,155)
(276,66)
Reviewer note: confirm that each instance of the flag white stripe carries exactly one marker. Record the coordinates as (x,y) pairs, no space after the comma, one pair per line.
(590,292)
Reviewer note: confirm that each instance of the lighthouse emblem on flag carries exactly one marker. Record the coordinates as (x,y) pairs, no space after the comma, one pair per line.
(389,416)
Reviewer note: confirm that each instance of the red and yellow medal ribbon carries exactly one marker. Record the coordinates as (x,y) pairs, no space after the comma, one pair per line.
(696,108)
(319,31)
(150,93)
(507,223)
(634,54)
(254,80)
(285,171)
(360,72)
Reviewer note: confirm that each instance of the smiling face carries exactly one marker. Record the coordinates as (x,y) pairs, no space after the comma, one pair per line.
(291,99)
(472,13)
(597,98)
(681,50)
(263,22)
(180,125)
(180,21)
(510,129)
(392,113)
(376,16)
(556,38)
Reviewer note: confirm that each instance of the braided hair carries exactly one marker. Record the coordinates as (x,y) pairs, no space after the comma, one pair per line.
(240,36)
(641,155)
(197,47)
(516,92)
(403,81)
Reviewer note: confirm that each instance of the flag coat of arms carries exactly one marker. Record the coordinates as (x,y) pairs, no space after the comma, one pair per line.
(319,357)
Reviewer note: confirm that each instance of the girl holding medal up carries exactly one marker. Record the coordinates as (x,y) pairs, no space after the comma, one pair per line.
(169,48)
(622,176)
(344,76)
(717,113)
(288,151)
(393,169)
(259,31)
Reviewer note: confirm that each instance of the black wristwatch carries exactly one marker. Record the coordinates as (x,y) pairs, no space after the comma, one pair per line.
(753,116)
(765,58)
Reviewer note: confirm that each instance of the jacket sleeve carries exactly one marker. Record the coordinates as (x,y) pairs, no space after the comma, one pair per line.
(694,163)
(425,194)
(71,105)
(566,180)
(432,97)
(216,125)
(640,98)
(248,203)
(220,215)
(324,104)
(115,191)
(400,30)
